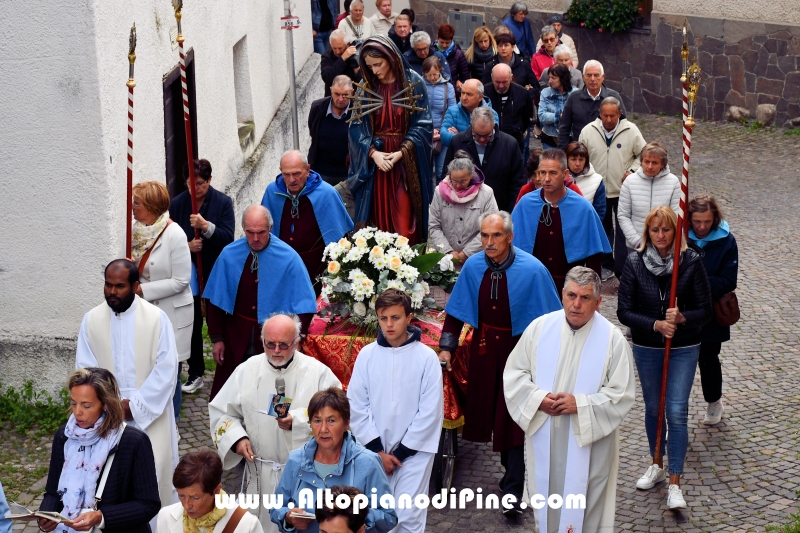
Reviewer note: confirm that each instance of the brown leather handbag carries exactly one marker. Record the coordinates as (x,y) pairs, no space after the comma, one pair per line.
(726,310)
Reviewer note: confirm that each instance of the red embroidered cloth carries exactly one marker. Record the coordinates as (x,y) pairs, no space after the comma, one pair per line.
(338,350)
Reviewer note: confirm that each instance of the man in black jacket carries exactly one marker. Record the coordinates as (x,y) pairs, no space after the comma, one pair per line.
(328,128)
(216,222)
(512,103)
(400,33)
(495,153)
(340,58)
(583,106)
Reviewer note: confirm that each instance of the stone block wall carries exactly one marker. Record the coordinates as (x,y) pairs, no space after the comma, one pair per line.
(744,63)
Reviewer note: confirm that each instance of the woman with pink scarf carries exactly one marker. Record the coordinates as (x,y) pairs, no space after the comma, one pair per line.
(458,202)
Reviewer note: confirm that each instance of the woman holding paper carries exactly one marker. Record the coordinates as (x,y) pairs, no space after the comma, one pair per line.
(102,474)
(332,457)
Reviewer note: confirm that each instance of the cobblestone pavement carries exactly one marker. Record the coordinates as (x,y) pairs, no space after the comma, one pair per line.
(743,474)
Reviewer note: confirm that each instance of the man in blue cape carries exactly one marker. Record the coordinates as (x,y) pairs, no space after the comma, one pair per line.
(558,226)
(308,213)
(241,295)
(482,299)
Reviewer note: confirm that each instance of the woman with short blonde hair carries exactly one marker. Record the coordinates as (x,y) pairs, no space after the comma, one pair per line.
(161,252)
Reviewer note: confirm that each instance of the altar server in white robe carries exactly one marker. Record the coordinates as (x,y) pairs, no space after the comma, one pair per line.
(134,339)
(397,404)
(241,425)
(569,384)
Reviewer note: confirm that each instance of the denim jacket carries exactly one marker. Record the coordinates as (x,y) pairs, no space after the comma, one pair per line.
(316,12)
(358,467)
(551,104)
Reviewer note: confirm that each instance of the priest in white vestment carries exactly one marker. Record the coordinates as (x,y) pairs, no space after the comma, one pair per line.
(241,425)
(134,339)
(569,384)
(397,404)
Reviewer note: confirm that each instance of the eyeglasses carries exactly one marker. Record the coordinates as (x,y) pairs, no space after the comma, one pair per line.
(282,346)
(460,182)
(551,40)
(199,183)
(487,137)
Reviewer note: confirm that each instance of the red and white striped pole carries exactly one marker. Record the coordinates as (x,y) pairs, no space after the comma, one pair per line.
(131,84)
(687,147)
(691,77)
(187,123)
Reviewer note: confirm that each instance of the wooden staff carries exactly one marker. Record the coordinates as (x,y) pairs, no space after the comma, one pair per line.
(131,84)
(187,123)
(691,85)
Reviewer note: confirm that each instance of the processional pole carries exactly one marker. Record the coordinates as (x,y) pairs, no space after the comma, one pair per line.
(187,123)
(691,84)
(131,84)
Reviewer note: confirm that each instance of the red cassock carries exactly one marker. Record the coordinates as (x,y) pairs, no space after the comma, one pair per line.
(302,233)
(485,414)
(240,331)
(549,249)
(392,207)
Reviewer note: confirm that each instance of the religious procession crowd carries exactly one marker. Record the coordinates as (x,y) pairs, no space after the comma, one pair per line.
(445,162)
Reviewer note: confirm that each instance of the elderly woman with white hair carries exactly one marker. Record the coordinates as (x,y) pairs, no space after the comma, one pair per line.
(422,49)
(356,26)
(563,57)
(458,202)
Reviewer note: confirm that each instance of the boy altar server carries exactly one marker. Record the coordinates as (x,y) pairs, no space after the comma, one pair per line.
(397,403)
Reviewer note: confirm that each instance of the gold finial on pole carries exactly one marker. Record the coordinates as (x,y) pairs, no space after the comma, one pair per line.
(685,52)
(177,5)
(131,55)
(693,80)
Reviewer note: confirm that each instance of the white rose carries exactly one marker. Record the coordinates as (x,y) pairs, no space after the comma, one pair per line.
(446,263)
(361,242)
(334,267)
(401,241)
(360,309)
(344,243)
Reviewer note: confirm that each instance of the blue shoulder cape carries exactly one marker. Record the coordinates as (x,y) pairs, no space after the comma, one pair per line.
(583,231)
(283,286)
(329,209)
(533,294)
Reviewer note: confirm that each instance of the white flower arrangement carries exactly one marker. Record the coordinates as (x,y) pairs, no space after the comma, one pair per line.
(369,262)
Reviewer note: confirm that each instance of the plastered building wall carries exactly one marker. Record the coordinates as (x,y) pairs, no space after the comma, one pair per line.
(63,138)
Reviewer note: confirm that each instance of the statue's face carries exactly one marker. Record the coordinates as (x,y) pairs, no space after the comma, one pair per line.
(380,67)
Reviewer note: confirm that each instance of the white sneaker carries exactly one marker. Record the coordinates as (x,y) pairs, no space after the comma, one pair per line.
(653,475)
(675,498)
(192,385)
(714,413)
(607,274)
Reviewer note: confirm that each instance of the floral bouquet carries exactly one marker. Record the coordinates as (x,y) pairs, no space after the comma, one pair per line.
(371,261)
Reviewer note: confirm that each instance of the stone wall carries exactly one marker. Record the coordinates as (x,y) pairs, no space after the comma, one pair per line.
(744,63)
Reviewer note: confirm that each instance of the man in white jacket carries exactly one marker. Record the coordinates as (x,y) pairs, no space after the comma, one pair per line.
(651,186)
(614,145)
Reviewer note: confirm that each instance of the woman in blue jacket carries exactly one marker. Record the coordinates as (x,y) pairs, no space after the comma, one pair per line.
(711,233)
(551,104)
(441,96)
(332,457)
